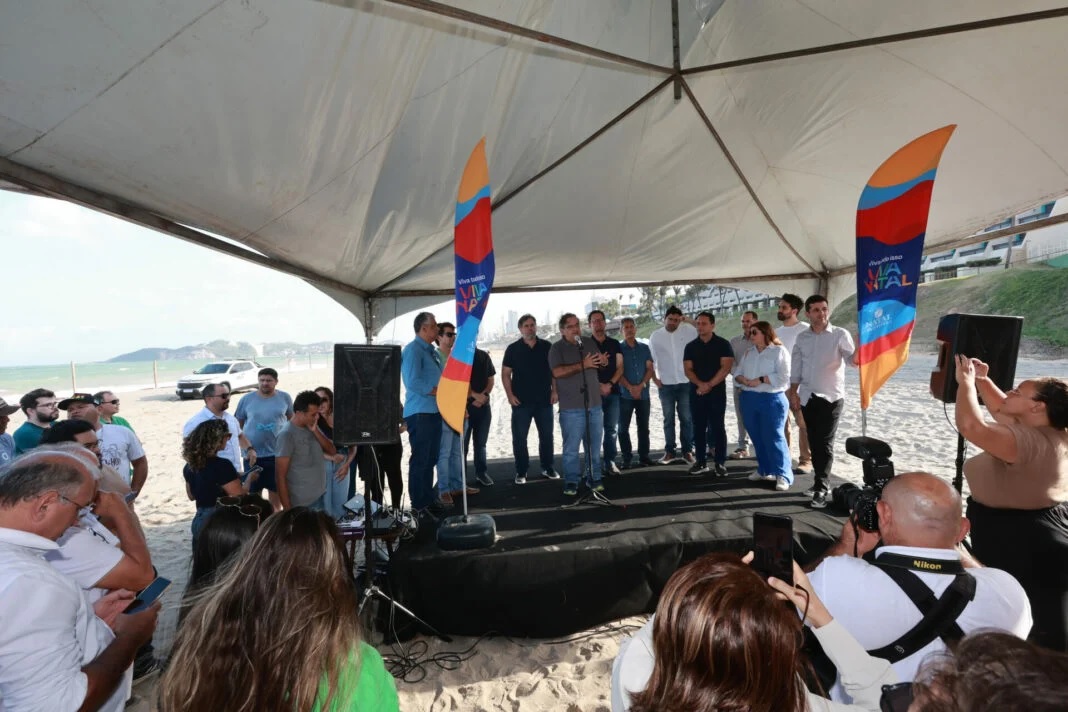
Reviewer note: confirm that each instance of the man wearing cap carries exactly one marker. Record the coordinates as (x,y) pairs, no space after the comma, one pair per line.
(7,443)
(119,447)
(109,407)
(39,405)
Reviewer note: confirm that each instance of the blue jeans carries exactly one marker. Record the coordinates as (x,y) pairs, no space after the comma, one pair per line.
(478,424)
(627,407)
(424,435)
(542,415)
(743,441)
(449,477)
(610,408)
(337,492)
(676,398)
(708,413)
(199,520)
(573,428)
(765,419)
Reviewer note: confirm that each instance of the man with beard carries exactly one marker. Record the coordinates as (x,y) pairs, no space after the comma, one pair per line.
(262,413)
(634,398)
(41,411)
(608,379)
(216,401)
(528,382)
(707,361)
(789,307)
(667,344)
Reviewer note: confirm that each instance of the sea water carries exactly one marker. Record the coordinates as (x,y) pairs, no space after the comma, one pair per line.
(127,376)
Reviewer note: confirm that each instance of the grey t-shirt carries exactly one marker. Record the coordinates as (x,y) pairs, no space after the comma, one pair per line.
(569,389)
(262,419)
(307,468)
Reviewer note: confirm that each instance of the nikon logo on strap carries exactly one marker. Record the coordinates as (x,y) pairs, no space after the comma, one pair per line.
(926,565)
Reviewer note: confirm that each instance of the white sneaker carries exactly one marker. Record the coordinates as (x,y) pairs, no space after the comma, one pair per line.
(755,477)
(781,485)
(520,479)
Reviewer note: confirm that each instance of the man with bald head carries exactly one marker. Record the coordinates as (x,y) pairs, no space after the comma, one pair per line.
(921,525)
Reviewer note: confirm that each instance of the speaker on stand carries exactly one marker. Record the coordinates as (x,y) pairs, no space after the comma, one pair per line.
(994,340)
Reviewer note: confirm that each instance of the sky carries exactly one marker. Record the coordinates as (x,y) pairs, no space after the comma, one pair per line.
(83,286)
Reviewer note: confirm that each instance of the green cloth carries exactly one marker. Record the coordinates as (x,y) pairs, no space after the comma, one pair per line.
(117,420)
(375,690)
(27,437)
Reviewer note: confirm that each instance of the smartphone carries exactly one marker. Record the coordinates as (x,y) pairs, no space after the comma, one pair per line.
(148,595)
(130,496)
(896,698)
(252,471)
(773,546)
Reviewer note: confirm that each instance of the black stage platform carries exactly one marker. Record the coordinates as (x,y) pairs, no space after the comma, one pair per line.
(556,571)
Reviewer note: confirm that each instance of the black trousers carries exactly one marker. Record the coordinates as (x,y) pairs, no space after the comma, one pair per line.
(389,466)
(1032,545)
(821,419)
(709,432)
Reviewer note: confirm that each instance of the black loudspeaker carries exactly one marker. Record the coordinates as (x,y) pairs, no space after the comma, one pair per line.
(994,340)
(366,394)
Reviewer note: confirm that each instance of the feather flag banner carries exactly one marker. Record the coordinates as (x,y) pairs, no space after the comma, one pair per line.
(473,243)
(891,226)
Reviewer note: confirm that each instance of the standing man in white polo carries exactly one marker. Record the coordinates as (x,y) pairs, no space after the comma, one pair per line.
(668,344)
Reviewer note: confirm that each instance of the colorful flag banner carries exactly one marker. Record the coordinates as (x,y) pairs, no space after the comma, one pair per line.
(891,226)
(474,281)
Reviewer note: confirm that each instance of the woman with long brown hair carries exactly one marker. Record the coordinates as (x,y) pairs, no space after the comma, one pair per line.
(723,639)
(208,476)
(279,631)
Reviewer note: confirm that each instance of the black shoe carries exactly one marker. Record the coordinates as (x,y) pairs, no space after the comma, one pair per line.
(626,465)
(646,463)
(610,468)
(721,470)
(699,468)
(819,499)
(436,508)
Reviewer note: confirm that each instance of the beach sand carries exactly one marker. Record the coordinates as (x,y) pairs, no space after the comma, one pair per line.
(508,674)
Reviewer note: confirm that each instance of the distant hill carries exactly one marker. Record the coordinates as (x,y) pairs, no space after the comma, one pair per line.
(220,349)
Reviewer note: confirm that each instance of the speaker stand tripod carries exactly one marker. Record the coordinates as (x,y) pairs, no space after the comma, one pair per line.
(371,590)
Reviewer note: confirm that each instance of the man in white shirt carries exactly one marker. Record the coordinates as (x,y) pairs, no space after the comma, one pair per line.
(741,344)
(55,652)
(790,305)
(921,524)
(119,447)
(817,387)
(216,401)
(667,345)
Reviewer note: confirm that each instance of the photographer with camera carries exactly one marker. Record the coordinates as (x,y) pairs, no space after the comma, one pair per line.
(917,568)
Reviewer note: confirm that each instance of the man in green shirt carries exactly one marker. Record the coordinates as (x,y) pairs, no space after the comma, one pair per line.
(109,406)
(41,410)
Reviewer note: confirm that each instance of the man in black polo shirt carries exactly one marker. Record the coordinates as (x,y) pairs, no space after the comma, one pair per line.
(608,376)
(478,412)
(528,382)
(707,360)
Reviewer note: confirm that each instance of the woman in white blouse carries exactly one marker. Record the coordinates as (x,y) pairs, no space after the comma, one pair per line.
(764,376)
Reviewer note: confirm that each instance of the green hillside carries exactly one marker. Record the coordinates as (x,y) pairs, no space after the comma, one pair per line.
(1036,293)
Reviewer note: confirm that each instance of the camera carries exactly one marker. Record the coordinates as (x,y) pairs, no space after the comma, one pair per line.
(878,470)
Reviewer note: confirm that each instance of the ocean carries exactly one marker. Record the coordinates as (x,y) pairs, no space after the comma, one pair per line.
(128,376)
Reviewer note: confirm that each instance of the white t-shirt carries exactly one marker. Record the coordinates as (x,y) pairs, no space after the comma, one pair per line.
(667,348)
(48,631)
(119,447)
(876,611)
(232,451)
(788,334)
(87,552)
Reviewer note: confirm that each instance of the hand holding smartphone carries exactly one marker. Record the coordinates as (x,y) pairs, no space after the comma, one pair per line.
(148,595)
(773,546)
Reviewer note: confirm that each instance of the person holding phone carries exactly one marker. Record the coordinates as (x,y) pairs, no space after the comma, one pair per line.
(721,638)
(208,476)
(300,652)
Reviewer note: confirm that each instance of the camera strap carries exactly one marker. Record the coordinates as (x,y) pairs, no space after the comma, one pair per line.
(939,614)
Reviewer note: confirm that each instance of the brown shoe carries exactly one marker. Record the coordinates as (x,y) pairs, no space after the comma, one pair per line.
(446,498)
(470,490)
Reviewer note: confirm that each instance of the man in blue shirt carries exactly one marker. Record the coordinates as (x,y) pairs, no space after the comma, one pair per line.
(421,371)
(634,393)
(262,414)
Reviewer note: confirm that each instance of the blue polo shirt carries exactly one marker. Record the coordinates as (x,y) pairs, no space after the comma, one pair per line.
(634,360)
(420,371)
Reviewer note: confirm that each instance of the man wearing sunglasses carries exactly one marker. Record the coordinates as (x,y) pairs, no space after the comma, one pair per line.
(216,401)
(59,652)
(120,448)
(109,408)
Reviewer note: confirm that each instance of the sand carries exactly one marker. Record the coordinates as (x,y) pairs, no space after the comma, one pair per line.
(507,674)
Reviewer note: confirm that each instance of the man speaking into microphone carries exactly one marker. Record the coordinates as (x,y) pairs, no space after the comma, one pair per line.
(574,363)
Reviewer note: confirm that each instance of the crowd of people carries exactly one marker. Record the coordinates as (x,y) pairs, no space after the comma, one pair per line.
(904,604)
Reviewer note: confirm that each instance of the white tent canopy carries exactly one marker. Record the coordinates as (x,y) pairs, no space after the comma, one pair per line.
(329,137)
